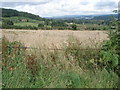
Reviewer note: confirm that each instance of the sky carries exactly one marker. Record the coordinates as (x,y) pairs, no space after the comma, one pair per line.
(50,8)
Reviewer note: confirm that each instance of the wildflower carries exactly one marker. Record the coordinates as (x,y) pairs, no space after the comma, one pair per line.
(12,68)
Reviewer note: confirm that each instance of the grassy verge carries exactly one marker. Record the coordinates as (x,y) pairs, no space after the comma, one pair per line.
(72,67)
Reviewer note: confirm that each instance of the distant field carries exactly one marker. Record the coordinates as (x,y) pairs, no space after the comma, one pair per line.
(57,37)
(26,24)
(0,23)
(16,19)
(0,47)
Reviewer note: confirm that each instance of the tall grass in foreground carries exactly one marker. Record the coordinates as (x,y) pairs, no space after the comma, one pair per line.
(73,67)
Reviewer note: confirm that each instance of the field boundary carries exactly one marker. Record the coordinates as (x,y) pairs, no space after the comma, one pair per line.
(53,49)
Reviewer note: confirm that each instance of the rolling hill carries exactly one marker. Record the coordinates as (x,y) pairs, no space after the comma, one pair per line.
(15,13)
(23,20)
(95,17)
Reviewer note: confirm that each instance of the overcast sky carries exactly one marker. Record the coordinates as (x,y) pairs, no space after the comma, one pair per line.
(49,8)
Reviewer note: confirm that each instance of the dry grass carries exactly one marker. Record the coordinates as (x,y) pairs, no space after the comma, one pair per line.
(39,38)
(57,69)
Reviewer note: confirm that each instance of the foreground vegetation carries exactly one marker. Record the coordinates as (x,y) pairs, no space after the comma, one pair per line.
(71,67)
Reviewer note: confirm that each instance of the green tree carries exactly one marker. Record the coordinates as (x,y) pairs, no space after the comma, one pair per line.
(41,25)
(111,49)
(7,22)
(74,26)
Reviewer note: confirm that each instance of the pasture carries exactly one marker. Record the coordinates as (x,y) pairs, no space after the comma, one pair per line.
(32,38)
(26,24)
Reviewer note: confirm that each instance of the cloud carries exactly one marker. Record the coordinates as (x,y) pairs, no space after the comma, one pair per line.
(13,4)
(48,8)
(102,5)
(25,0)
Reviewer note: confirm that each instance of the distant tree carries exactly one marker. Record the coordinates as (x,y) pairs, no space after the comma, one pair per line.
(10,23)
(74,26)
(40,25)
(47,22)
(7,24)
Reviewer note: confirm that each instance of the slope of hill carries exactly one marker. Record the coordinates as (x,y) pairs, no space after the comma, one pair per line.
(106,17)
(22,20)
(13,13)
(95,17)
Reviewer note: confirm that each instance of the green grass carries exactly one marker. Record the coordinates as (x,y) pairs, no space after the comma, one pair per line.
(0,62)
(16,19)
(0,23)
(92,27)
(26,24)
(87,26)
(54,69)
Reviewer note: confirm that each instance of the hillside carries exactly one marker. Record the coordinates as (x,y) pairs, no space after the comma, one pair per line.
(13,13)
(87,17)
(13,19)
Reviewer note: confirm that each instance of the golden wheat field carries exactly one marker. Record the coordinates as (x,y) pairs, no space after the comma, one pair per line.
(52,38)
